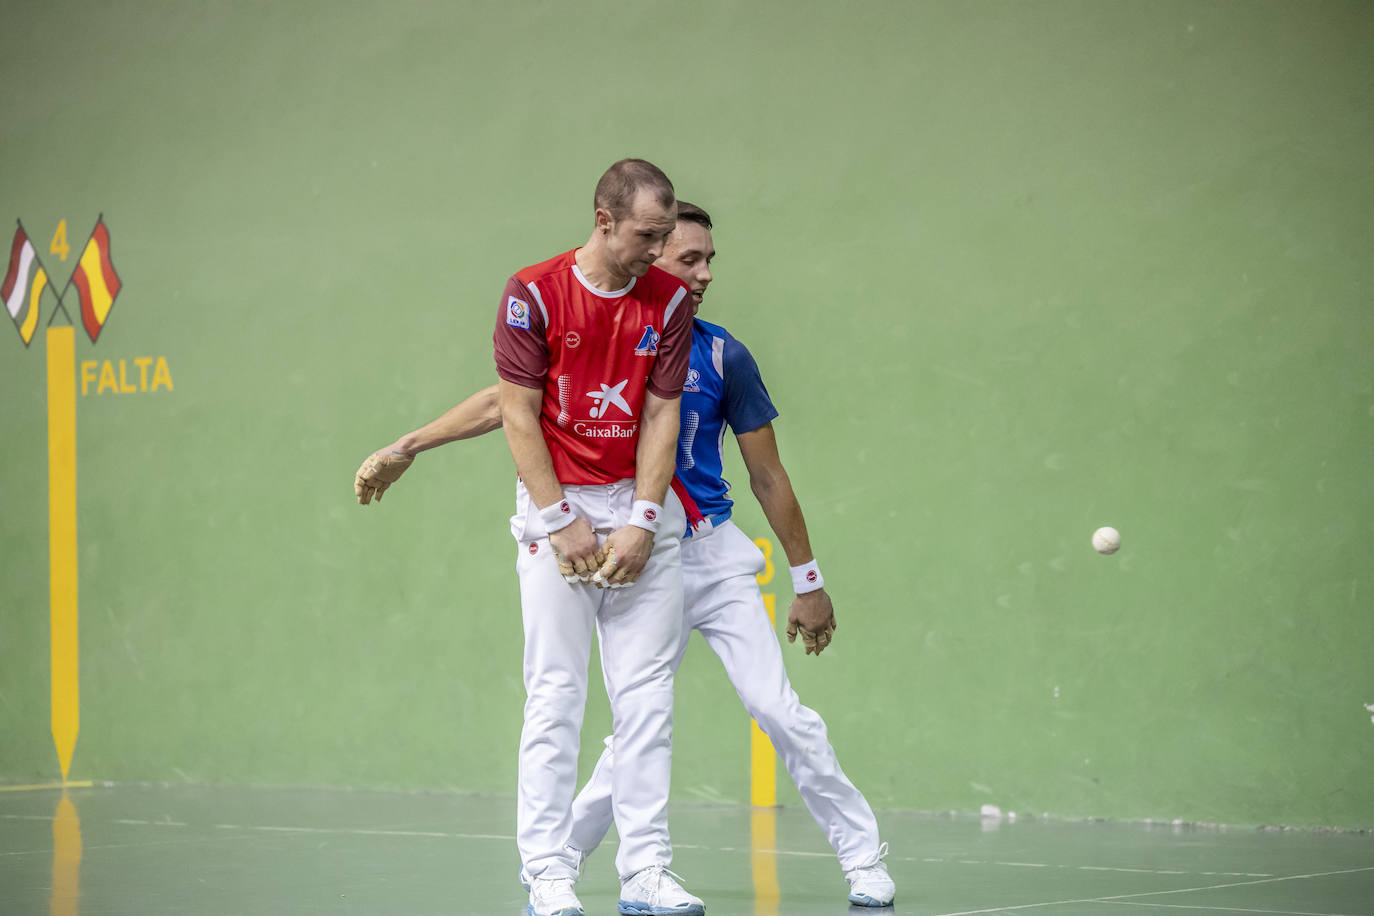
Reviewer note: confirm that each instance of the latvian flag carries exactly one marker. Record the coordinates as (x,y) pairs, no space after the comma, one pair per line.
(96,282)
(25,281)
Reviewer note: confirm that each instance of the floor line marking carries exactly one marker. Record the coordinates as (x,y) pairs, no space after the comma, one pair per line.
(85,849)
(1025,864)
(1181,890)
(1228,909)
(1120,868)
(349,831)
(41,786)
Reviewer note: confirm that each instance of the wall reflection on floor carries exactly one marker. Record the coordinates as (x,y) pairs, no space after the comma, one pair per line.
(763,833)
(66,859)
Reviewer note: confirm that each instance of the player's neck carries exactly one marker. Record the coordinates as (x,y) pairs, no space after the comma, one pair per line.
(597,268)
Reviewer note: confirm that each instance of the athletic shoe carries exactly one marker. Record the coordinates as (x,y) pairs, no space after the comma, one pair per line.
(553,897)
(653,892)
(871,885)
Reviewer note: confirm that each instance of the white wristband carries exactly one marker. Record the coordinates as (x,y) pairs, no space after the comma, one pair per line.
(646,515)
(806,578)
(557,516)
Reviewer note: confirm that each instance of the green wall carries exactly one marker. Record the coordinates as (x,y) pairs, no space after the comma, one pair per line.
(1012,271)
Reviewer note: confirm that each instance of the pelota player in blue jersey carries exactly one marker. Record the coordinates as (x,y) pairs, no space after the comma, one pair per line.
(720,562)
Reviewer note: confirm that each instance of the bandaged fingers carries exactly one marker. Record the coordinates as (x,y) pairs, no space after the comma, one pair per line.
(566,569)
(379,471)
(814,641)
(611,574)
(576,549)
(822,638)
(580,572)
(627,552)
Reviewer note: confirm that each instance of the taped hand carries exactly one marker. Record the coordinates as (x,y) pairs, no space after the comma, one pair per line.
(379,471)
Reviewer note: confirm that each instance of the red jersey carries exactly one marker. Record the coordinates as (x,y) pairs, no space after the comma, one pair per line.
(594,354)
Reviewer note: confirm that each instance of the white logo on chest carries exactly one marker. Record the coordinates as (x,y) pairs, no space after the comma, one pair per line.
(608,397)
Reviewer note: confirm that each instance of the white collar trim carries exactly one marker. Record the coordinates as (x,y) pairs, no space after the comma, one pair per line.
(577,272)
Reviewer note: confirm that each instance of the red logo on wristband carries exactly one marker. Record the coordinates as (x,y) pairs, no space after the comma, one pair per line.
(564,506)
(811,576)
(534,548)
(650,515)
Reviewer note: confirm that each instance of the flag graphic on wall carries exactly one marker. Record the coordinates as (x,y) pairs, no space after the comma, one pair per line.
(25,281)
(97,284)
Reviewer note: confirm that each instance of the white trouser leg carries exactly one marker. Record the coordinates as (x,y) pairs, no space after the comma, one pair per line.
(591,810)
(558,621)
(640,628)
(730,614)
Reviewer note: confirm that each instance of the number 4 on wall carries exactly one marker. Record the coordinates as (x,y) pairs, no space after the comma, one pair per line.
(59,244)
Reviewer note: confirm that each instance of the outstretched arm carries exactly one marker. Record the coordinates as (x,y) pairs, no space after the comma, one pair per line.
(812,612)
(477,415)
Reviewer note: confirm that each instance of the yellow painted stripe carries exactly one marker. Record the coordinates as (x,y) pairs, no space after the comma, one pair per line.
(42,786)
(40,282)
(62,540)
(763,760)
(101,300)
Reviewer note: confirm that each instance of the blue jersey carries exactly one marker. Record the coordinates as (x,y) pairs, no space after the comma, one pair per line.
(723,388)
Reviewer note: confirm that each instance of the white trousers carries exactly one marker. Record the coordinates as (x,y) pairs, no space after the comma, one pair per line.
(723,602)
(638,628)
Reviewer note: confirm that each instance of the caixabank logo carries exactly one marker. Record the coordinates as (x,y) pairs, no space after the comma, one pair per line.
(92,290)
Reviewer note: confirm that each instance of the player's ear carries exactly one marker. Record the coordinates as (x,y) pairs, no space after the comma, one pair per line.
(604,220)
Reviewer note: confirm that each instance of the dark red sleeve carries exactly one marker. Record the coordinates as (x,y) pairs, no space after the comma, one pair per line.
(674,350)
(522,354)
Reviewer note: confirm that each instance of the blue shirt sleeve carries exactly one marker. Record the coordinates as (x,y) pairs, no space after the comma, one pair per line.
(745,402)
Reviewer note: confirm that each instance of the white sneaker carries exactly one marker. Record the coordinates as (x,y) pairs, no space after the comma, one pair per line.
(653,892)
(553,897)
(871,885)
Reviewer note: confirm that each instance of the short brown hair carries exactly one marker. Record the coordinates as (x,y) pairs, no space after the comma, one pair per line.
(693,214)
(617,188)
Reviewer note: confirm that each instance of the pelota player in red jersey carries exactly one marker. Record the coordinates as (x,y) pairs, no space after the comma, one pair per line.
(721,595)
(591,350)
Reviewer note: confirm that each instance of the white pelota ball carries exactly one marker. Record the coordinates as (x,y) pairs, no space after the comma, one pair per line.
(1106,540)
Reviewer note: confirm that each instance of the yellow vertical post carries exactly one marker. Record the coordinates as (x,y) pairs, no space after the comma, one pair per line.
(763,759)
(61,343)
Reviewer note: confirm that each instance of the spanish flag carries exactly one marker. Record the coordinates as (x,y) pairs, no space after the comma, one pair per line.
(97,284)
(25,281)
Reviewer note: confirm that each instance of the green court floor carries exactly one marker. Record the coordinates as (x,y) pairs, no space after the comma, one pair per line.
(197,850)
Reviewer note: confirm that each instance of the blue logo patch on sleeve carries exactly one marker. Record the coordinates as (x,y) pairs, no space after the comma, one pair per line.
(517,313)
(648,344)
